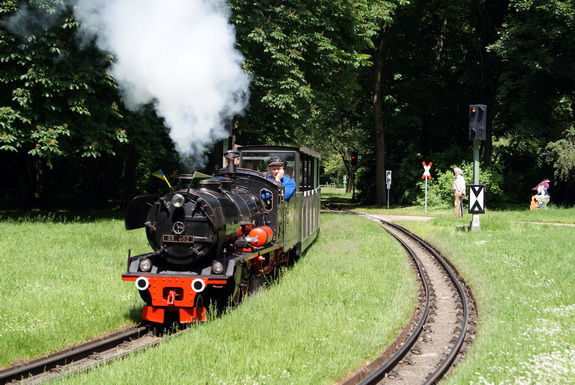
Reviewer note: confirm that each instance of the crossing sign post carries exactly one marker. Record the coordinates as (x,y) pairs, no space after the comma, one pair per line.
(477,133)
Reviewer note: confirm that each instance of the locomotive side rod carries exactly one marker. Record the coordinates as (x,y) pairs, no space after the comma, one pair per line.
(445,318)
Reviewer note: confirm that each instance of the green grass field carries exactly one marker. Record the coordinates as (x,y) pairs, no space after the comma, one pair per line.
(523,276)
(60,283)
(321,311)
(522,273)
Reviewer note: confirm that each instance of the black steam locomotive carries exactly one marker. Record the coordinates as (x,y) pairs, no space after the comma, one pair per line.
(217,238)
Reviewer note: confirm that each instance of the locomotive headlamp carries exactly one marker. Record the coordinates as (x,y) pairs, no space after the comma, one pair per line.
(142,283)
(198,285)
(178,200)
(145,264)
(217,267)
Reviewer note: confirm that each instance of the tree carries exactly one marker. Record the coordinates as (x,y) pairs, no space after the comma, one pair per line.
(536,90)
(306,59)
(58,101)
(562,155)
(309,62)
(51,86)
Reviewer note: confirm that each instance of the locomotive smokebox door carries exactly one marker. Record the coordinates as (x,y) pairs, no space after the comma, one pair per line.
(137,211)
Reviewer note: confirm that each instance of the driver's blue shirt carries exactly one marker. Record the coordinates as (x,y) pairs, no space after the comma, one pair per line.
(289,186)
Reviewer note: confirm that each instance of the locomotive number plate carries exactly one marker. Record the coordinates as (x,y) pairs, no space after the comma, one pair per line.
(178,238)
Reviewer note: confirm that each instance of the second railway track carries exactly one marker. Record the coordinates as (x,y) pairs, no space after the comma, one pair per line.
(441,328)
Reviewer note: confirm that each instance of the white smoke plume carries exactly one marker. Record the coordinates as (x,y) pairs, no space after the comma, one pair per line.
(178,55)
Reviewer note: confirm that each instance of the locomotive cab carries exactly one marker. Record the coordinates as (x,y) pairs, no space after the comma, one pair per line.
(298,218)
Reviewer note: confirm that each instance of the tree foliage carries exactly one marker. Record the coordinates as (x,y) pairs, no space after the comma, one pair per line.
(562,154)
(391,80)
(310,61)
(59,103)
(59,98)
(307,59)
(536,89)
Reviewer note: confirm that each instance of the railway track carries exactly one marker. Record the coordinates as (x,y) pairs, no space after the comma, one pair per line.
(441,329)
(81,357)
(436,338)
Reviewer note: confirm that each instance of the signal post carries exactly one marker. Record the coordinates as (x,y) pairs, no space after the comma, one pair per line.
(477,133)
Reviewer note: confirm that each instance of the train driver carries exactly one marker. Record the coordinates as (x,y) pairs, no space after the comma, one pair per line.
(277,171)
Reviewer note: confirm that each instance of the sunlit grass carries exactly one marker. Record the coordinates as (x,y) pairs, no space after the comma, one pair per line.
(340,305)
(523,277)
(60,283)
(332,192)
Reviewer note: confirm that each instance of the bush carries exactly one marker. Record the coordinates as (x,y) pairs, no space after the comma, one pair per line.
(439,189)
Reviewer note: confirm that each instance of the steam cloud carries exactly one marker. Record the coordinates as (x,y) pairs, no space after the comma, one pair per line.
(177,54)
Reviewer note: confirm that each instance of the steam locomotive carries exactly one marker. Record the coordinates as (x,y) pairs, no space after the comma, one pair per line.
(219,237)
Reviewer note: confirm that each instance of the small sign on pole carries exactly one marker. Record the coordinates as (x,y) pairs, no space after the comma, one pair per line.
(388,183)
(476,198)
(426,175)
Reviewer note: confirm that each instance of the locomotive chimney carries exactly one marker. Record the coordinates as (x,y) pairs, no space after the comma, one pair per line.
(232,161)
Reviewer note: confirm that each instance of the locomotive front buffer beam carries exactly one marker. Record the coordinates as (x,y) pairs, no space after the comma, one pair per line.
(188,295)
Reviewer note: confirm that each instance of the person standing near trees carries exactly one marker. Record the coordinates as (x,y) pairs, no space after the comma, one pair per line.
(458,192)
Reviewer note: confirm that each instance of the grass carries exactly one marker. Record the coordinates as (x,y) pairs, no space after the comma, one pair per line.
(555,214)
(523,277)
(60,282)
(312,326)
(325,310)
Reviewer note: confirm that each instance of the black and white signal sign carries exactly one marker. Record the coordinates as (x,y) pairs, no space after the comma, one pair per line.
(476,198)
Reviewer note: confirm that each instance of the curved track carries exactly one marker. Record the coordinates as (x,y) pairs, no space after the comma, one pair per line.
(440,330)
(434,340)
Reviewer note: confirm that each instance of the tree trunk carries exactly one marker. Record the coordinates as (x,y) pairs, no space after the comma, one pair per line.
(29,173)
(378,118)
(129,182)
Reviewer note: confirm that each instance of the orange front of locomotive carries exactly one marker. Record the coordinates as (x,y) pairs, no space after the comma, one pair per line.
(182,296)
(202,244)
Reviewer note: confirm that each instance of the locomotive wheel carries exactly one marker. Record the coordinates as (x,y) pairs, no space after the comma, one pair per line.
(256,282)
(241,289)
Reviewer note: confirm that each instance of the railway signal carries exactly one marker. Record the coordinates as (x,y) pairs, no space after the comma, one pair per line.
(477,121)
(388,183)
(354,158)
(477,132)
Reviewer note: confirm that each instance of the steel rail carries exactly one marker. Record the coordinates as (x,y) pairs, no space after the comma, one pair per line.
(446,362)
(379,373)
(72,354)
(450,358)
